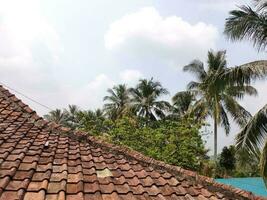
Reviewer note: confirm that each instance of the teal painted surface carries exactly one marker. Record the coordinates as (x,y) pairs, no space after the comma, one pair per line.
(255,185)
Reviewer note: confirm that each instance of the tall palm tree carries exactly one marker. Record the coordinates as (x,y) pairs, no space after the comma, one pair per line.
(57,116)
(145,99)
(117,101)
(215,97)
(251,24)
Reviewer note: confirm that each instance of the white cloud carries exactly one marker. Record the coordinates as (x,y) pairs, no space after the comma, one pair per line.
(130,76)
(147,34)
(90,95)
(22,30)
(29,47)
(101,80)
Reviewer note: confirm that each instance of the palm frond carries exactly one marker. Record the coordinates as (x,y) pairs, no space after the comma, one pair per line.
(241,90)
(182,101)
(199,110)
(260,5)
(224,120)
(196,67)
(249,24)
(239,113)
(192,85)
(254,133)
(216,61)
(245,73)
(263,163)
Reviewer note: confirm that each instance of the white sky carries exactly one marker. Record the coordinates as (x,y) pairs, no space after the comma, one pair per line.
(69,52)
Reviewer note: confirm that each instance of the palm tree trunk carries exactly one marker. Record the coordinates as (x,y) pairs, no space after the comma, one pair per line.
(215,137)
(216,117)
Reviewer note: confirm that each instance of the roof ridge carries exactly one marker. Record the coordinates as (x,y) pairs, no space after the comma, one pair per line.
(82,136)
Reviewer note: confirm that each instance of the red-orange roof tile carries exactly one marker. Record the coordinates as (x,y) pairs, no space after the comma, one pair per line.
(75,165)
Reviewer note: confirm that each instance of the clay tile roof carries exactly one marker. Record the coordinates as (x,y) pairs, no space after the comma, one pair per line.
(41,160)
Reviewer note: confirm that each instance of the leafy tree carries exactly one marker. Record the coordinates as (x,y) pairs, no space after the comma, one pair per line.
(227,159)
(145,99)
(175,142)
(217,94)
(117,101)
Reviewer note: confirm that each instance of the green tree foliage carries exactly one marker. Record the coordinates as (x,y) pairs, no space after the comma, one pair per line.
(174,142)
(246,165)
(248,23)
(117,102)
(58,116)
(71,116)
(64,117)
(183,102)
(94,122)
(145,99)
(227,158)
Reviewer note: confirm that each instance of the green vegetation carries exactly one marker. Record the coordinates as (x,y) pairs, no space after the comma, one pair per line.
(231,163)
(227,159)
(176,143)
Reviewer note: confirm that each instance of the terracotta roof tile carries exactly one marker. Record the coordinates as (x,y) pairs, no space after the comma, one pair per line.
(91,187)
(56,187)
(37,186)
(93,169)
(78,196)
(34,195)
(17,185)
(74,188)
(8,195)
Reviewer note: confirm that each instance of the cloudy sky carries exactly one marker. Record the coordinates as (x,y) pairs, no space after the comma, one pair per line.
(69,52)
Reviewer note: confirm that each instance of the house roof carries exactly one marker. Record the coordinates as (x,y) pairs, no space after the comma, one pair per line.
(41,160)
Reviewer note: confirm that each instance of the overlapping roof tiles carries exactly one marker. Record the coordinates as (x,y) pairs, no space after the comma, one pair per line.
(41,160)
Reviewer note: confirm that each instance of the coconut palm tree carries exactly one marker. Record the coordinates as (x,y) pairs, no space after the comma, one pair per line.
(117,101)
(215,95)
(145,99)
(57,116)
